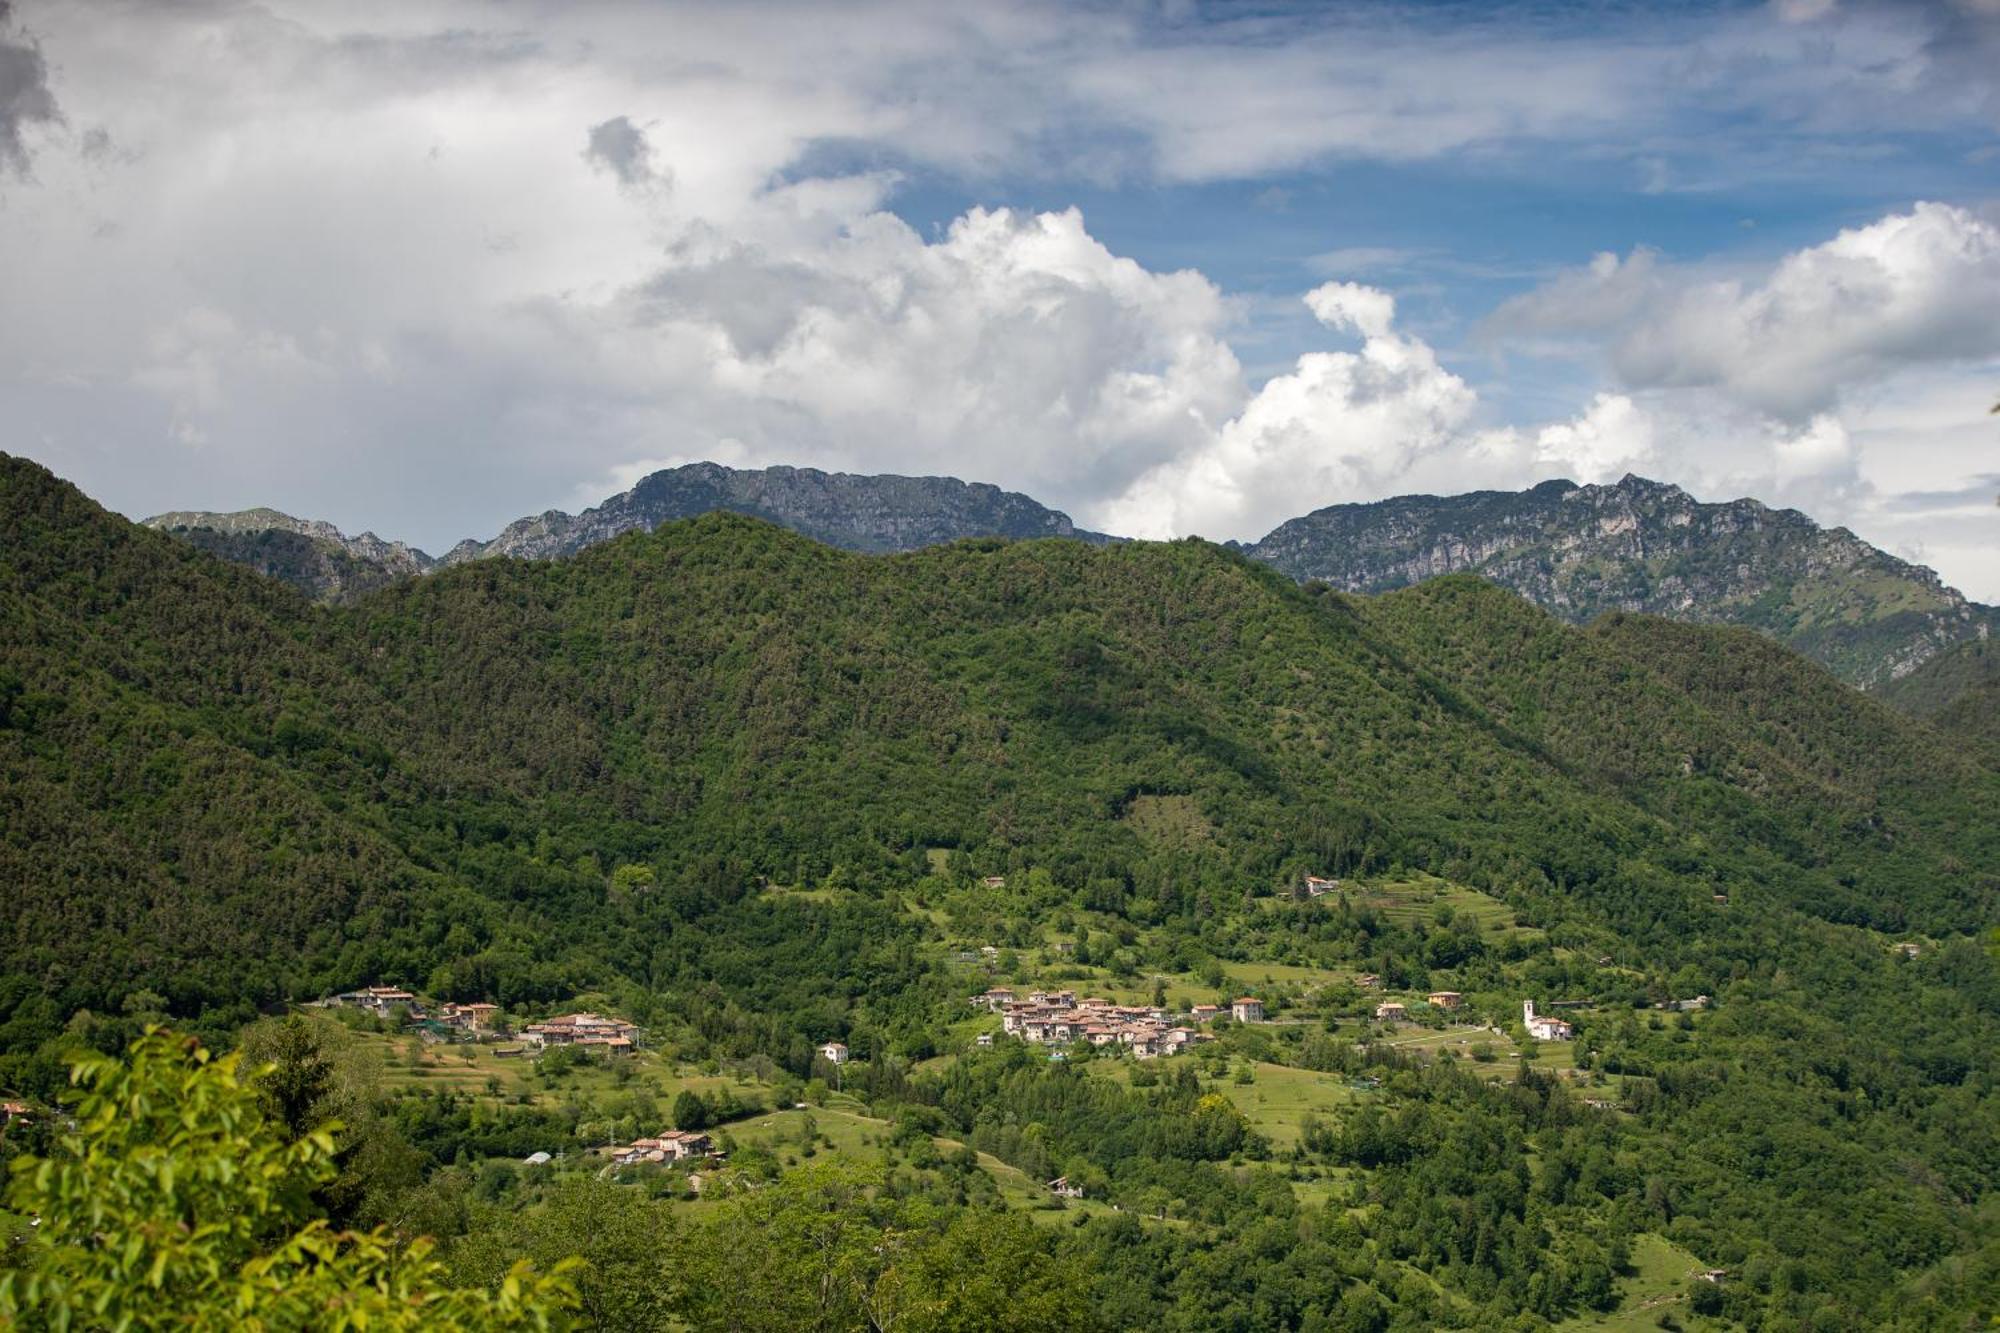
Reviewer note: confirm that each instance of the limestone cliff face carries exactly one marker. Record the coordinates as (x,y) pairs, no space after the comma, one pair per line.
(858,513)
(313,556)
(1644,546)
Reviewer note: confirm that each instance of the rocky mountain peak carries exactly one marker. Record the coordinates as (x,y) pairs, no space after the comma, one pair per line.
(1646,546)
(860,513)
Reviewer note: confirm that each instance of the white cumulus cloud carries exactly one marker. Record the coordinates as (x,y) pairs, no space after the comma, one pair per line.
(1913,288)
(428,265)
(1339,425)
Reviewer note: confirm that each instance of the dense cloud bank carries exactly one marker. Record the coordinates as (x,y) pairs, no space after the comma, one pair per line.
(423,268)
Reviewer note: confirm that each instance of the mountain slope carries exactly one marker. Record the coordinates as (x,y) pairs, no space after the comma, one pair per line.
(1957,691)
(722,692)
(165,798)
(528,781)
(1647,547)
(856,513)
(313,556)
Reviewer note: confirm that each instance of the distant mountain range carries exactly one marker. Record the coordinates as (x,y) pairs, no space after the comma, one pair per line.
(1579,551)
(876,515)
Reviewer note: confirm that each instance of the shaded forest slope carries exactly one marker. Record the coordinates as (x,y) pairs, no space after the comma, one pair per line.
(223,793)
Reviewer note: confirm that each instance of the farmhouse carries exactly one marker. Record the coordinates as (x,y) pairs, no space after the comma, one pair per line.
(1368,981)
(1390,1011)
(469,1017)
(1062,1189)
(1247,1009)
(1318,886)
(995,999)
(1543,1028)
(376,999)
(676,1145)
(1445,999)
(834,1052)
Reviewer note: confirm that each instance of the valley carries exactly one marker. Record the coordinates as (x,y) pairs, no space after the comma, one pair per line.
(757,798)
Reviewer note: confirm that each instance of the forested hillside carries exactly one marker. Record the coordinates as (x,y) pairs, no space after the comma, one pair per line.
(1957,692)
(715,770)
(721,692)
(1577,552)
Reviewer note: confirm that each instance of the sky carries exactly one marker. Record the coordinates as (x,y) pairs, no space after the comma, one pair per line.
(422,267)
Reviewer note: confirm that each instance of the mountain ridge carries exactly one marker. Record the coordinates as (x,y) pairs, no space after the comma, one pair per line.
(1579,551)
(872,513)
(311,555)
(1644,546)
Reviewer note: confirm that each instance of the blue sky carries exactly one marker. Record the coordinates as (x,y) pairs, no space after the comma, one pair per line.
(424,266)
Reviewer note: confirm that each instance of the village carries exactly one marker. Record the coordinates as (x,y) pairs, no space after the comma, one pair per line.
(1246,1023)
(581,1031)
(481,1021)
(1070,1023)
(1057,1018)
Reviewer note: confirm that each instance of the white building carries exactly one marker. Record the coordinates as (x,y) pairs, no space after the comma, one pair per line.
(835,1053)
(1544,1029)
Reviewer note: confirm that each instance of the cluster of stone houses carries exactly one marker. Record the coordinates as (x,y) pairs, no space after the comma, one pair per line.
(675,1145)
(586,1030)
(384,1000)
(1057,1018)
